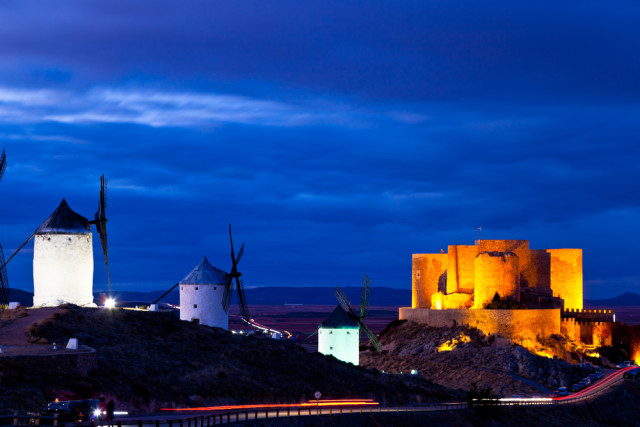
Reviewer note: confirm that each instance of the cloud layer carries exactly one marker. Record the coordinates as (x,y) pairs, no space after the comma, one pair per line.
(337,139)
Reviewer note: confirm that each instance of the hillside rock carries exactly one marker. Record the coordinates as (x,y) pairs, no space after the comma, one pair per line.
(460,357)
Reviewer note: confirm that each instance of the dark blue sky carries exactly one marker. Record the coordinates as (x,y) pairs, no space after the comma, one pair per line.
(338,137)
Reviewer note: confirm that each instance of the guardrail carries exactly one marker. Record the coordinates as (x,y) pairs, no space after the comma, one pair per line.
(226,417)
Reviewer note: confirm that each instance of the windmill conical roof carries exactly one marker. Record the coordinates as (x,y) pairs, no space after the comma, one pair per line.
(64,221)
(205,274)
(340,319)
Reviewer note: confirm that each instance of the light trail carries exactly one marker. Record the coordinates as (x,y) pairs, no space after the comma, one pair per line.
(310,404)
(599,384)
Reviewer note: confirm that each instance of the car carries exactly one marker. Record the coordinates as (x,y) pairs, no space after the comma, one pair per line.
(598,372)
(626,364)
(594,377)
(562,391)
(577,387)
(586,381)
(633,373)
(71,411)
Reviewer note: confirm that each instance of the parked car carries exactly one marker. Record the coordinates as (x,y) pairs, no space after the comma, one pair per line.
(634,373)
(577,387)
(626,364)
(598,372)
(586,381)
(72,411)
(562,391)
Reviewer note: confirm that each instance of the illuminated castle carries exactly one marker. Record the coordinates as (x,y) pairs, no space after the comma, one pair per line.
(488,285)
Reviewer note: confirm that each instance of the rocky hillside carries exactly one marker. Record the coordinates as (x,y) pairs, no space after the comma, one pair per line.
(149,360)
(461,357)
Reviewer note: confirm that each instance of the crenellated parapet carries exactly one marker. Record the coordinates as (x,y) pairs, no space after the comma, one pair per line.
(587,315)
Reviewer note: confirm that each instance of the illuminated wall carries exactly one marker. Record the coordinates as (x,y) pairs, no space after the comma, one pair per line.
(496,272)
(513,324)
(566,276)
(203,303)
(427,271)
(63,269)
(461,268)
(341,343)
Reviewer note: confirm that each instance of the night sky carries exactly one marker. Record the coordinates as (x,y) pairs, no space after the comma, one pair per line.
(338,137)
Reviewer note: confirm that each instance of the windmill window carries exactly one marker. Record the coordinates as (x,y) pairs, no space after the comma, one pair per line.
(195,305)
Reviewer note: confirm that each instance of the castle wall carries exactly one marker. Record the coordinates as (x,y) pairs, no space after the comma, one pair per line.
(461,268)
(62,270)
(512,324)
(535,273)
(427,271)
(496,272)
(566,276)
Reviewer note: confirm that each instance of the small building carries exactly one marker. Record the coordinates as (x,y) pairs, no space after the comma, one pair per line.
(201,293)
(339,336)
(63,260)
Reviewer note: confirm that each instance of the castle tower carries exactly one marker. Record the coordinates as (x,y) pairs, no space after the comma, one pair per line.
(339,336)
(496,272)
(201,294)
(63,260)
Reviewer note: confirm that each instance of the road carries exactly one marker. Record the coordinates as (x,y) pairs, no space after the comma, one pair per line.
(208,416)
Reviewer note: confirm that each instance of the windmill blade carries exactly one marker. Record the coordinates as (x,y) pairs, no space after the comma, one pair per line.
(242,299)
(371,335)
(364,297)
(240,253)
(165,294)
(344,301)
(4,264)
(4,281)
(101,225)
(3,163)
(228,292)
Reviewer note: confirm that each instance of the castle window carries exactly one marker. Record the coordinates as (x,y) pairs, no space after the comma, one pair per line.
(196,288)
(330,348)
(215,287)
(418,275)
(195,305)
(182,288)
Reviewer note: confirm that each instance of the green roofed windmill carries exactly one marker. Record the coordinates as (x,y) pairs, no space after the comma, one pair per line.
(339,334)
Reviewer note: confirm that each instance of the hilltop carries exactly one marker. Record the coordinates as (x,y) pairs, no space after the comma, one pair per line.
(149,360)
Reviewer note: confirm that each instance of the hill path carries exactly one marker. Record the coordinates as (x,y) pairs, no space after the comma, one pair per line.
(14,333)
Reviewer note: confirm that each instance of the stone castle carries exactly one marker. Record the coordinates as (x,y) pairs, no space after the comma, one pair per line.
(503,287)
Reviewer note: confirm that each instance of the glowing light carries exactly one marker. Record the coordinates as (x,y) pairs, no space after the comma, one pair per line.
(110,303)
(97,413)
(453,342)
(311,403)
(438,305)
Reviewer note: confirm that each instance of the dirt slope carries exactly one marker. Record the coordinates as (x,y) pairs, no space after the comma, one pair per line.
(150,360)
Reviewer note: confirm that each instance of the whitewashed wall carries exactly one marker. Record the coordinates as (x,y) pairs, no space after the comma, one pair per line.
(203,302)
(63,269)
(343,344)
